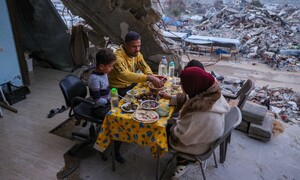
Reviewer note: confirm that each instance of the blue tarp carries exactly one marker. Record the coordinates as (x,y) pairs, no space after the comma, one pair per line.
(171,21)
(178,23)
(168,20)
(221,51)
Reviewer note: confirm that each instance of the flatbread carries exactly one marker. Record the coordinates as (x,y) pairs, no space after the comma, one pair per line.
(145,116)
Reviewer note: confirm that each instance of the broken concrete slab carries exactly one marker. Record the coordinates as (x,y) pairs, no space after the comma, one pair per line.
(244,126)
(253,112)
(262,132)
(283,101)
(264,139)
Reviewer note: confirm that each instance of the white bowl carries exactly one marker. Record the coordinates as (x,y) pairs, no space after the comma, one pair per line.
(125,108)
(155,89)
(175,86)
(149,104)
(133,92)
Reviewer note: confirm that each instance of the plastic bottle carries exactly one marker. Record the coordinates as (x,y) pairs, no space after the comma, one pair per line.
(171,69)
(163,67)
(114,100)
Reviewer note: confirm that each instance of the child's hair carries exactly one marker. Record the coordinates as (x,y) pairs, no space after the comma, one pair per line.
(194,63)
(105,56)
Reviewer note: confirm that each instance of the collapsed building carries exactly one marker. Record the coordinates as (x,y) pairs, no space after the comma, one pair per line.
(269,33)
(105,23)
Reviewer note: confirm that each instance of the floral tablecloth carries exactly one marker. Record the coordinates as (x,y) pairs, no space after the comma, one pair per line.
(121,127)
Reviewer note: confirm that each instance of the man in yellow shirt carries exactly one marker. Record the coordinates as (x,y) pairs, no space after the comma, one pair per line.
(124,75)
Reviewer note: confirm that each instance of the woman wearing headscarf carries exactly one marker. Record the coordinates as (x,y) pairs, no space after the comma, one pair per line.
(201,118)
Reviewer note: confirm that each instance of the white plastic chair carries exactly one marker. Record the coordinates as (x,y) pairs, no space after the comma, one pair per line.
(232,119)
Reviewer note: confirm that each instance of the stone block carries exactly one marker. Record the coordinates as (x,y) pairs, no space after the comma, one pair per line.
(253,113)
(244,126)
(259,137)
(262,132)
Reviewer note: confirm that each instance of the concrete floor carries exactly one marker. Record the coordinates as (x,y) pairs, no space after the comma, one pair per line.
(41,153)
(246,159)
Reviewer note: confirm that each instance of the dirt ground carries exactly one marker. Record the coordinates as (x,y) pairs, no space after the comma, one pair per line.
(261,74)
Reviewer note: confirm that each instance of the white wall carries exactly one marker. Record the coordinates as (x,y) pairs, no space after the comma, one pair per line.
(9,64)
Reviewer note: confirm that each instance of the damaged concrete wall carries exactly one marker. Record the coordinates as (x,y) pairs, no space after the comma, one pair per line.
(114,19)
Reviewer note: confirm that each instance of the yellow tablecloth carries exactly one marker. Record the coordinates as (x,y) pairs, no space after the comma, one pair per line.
(121,127)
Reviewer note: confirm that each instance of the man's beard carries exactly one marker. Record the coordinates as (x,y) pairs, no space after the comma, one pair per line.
(133,54)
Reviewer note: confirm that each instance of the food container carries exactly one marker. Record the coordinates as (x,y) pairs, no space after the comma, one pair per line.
(164,79)
(148,96)
(149,104)
(133,92)
(176,83)
(129,107)
(155,89)
(175,86)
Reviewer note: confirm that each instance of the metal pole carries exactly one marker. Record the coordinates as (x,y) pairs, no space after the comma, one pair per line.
(158,162)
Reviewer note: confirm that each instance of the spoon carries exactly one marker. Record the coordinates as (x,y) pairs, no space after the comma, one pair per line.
(165,77)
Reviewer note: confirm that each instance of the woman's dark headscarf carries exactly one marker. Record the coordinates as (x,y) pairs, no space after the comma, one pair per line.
(195,80)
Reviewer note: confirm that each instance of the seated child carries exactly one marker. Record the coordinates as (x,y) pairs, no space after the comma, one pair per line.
(99,89)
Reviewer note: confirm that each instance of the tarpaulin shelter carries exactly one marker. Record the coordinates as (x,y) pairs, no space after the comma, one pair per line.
(213,41)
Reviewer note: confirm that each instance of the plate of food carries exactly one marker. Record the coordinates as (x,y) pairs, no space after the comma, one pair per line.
(129,107)
(150,104)
(128,99)
(148,96)
(132,92)
(145,116)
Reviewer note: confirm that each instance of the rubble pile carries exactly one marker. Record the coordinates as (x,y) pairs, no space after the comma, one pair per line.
(229,85)
(282,101)
(264,108)
(270,33)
